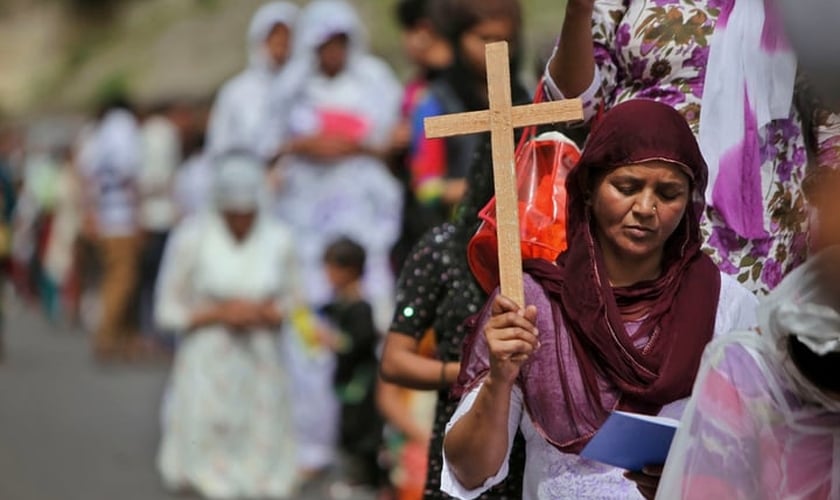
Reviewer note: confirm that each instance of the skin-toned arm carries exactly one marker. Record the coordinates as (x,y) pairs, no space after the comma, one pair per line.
(403,365)
(573,64)
(389,404)
(477,444)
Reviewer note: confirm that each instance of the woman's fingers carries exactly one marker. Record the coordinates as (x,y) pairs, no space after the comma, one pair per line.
(511,320)
(509,349)
(512,333)
(646,481)
(502,304)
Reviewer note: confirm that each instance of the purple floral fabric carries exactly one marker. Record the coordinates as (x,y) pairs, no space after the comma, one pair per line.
(658,49)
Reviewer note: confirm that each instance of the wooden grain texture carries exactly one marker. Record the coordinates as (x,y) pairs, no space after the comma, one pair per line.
(501,120)
(504,172)
(474,122)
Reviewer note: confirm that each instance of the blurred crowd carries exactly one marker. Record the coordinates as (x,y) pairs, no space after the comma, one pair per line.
(194,231)
(296,247)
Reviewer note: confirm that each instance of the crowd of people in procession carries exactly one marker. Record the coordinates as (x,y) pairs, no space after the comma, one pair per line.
(298,250)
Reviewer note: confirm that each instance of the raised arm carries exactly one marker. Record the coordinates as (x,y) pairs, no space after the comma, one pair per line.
(584,63)
(573,64)
(477,444)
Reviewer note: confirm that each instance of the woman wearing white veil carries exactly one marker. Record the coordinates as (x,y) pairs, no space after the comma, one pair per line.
(332,109)
(241,108)
(227,285)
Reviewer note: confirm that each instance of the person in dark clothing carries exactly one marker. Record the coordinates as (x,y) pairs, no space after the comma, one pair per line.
(354,338)
(436,289)
(431,54)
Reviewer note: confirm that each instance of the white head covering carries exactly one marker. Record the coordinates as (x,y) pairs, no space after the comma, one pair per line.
(799,307)
(240,182)
(318,21)
(323,19)
(265,19)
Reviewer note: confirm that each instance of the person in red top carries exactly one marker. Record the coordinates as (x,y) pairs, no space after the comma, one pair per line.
(430,53)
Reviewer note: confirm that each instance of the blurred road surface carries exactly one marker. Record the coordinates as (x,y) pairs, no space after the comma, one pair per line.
(71,429)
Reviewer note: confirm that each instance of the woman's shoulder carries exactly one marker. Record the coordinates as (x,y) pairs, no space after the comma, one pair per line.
(376,68)
(238,86)
(191,232)
(276,230)
(435,241)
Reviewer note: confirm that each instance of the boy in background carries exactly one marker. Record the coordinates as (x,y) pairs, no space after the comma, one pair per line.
(354,338)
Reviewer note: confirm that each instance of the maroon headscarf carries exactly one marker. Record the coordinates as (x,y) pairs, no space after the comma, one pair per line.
(591,366)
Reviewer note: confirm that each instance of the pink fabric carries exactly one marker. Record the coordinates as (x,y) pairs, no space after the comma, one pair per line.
(737,191)
(778,447)
(336,123)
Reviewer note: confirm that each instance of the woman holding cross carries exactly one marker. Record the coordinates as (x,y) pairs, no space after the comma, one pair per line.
(620,322)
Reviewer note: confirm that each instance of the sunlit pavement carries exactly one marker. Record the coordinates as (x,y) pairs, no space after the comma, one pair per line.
(71,429)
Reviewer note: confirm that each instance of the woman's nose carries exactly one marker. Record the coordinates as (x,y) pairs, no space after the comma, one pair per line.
(645,205)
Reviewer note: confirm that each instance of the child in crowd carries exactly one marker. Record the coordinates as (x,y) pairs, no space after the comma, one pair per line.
(353,336)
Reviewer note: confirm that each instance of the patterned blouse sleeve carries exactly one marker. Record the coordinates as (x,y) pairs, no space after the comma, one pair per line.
(606,18)
(827,131)
(419,288)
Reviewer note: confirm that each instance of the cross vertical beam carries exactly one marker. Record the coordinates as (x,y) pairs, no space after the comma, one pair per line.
(504,172)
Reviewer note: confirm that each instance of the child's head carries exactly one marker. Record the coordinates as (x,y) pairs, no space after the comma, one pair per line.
(471,24)
(344,263)
(422,43)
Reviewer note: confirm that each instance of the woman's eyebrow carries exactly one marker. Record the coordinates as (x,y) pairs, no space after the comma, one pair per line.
(625,178)
(672,184)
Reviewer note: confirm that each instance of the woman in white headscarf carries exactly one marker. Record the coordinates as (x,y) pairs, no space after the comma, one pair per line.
(333,108)
(226,285)
(240,111)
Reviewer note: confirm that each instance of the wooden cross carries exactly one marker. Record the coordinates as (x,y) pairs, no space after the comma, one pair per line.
(500,120)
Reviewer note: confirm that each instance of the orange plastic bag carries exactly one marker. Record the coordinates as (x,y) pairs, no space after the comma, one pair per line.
(541,167)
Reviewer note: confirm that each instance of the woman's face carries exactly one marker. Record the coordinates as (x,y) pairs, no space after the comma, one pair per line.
(332,55)
(277,44)
(487,31)
(239,223)
(637,207)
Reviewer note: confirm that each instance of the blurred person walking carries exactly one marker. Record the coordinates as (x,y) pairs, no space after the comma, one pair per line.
(193,190)
(336,107)
(60,257)
(430,53)
(8,198)
(241,108)
(110,163)
(352,335)
(333,111)
(226,286)
(161,133)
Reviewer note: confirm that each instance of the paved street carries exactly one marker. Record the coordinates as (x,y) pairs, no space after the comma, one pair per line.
(74,430)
